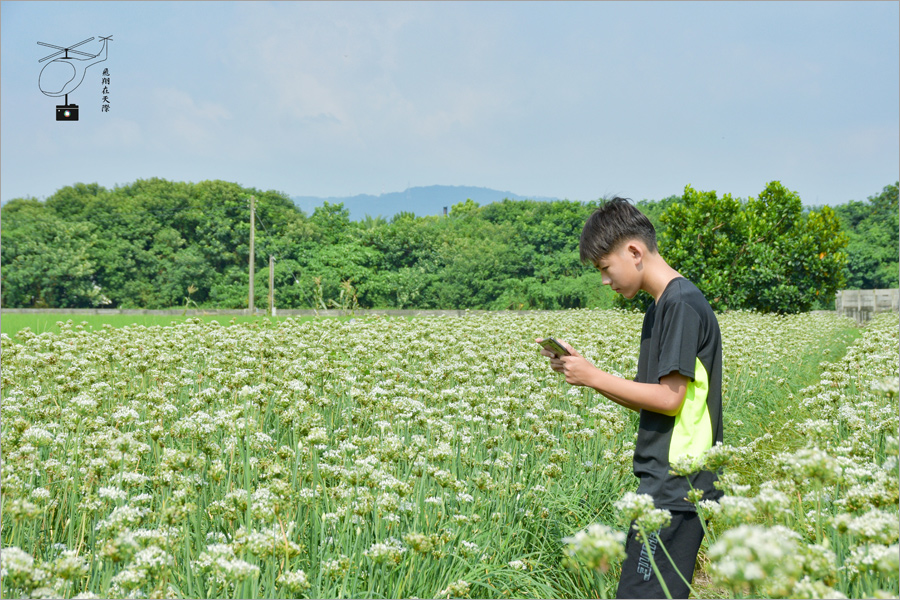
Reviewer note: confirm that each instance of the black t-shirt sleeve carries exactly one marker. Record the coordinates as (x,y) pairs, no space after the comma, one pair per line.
(679,340)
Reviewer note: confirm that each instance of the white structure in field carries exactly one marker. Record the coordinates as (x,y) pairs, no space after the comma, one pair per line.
(862,304)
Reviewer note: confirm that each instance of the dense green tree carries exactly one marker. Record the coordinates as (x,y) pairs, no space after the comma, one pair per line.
(155,243)
(331,223)
(45,259)
(873,230)
(71,201)
(404,261)
(407,241)
(155,240)
(763,254)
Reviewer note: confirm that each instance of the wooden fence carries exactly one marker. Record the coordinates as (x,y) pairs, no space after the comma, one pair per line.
(862,304)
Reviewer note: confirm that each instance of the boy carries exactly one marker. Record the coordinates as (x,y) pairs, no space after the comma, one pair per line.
(677,391)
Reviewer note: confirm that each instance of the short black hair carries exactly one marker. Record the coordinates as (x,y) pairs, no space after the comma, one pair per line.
(612,223)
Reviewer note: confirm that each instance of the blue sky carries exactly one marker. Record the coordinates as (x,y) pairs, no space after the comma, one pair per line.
(571,100)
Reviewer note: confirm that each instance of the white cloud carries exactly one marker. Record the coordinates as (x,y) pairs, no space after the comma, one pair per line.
(355,77)
(115,133)
(180,121)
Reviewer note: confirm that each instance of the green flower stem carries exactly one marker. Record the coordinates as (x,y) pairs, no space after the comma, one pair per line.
(659,576)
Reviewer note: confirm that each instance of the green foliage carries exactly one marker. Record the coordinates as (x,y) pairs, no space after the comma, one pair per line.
(654,209)
(464,208)
(146,244)
(46,259)
(155,243)
(141,245)
(872,230)
(763,254)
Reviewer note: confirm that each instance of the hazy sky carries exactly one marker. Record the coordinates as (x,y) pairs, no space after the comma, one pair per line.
(571,100)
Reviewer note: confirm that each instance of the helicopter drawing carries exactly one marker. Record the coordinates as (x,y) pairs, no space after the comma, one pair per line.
(61,76)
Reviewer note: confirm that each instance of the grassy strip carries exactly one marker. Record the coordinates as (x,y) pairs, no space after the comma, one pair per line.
(12,323)
(757,407)
(761,403)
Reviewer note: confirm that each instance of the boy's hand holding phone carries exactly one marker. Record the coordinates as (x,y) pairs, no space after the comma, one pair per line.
(566,360)
(554,348)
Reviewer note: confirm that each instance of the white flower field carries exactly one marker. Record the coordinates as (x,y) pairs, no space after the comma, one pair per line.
(429,457)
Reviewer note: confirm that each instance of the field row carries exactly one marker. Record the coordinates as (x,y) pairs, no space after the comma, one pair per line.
(377,457)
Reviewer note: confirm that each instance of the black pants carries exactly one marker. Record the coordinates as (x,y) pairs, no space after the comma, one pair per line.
(681,539)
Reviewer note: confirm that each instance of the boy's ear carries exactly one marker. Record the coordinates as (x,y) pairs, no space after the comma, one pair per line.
(635,250)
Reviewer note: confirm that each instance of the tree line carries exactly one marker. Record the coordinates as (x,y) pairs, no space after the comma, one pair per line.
(161,244)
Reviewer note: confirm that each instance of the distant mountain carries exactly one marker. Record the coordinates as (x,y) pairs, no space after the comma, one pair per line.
(422,201)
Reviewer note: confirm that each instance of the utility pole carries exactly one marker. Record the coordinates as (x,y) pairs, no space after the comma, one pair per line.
(271,286)
(252,249)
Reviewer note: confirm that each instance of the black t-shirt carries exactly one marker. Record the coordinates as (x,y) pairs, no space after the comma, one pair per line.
(680,333)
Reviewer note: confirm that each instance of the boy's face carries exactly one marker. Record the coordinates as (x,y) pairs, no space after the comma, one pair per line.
(621,269)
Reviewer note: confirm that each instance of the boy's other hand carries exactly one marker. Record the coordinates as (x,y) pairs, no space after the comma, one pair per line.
(577,369)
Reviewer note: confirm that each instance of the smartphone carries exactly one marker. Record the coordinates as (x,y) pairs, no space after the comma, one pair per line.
(554,346)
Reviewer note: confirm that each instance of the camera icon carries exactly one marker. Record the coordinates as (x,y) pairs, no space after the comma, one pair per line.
(66,112)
